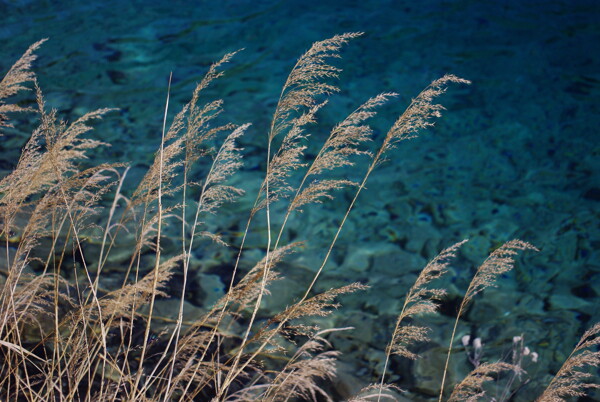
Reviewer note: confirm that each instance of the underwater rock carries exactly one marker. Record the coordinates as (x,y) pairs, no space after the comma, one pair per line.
(429,367)
(212,286)
(286,291)
(476,249)
(166,311)
(568,302)
(364,325)
(357,260)
(423,239)
(381,259)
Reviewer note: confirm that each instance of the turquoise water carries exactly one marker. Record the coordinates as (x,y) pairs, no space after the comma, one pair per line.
(516,154)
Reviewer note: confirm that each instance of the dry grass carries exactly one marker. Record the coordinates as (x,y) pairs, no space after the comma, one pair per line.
(71,339)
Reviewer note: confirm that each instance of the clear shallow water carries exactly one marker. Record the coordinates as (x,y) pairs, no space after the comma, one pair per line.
(515,155)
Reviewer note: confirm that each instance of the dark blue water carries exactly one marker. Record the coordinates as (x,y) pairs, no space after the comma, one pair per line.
(516,154)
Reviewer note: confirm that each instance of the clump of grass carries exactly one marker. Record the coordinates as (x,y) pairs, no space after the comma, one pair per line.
(65,337)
